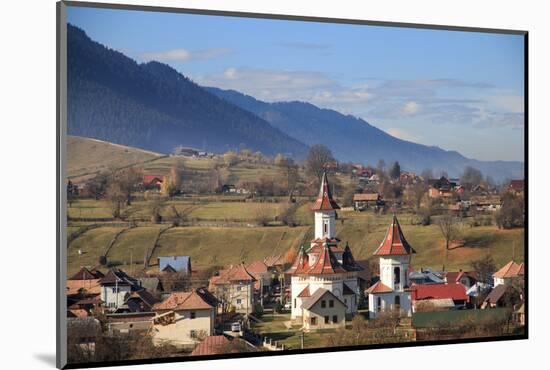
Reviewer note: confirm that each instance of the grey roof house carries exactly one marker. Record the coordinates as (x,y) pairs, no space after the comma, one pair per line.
(175,263)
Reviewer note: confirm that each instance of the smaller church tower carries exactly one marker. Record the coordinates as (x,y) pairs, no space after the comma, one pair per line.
(325,212)
(391,292)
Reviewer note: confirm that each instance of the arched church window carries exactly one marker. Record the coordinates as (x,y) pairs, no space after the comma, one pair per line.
(378,304)
(397,302)
(325,228)
(396,275)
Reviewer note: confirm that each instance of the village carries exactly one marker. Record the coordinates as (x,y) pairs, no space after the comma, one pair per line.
(323,290)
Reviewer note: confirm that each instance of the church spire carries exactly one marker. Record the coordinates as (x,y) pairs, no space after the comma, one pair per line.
(394,242)
(324,200)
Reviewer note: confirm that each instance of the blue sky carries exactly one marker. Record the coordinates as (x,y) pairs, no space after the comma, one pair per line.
(458,90)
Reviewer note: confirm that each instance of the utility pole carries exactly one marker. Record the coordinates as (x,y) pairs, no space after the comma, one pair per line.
(131,260)
(302,340)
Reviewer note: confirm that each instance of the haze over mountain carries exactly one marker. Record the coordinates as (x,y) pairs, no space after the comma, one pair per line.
(152,106)
(353,139)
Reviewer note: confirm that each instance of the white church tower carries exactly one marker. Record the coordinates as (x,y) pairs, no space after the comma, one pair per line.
(325,212)
(391,292)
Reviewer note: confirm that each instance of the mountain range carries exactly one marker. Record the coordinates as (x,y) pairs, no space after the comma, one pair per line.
(152,106)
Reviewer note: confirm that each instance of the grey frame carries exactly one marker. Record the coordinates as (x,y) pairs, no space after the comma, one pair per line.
(61,194)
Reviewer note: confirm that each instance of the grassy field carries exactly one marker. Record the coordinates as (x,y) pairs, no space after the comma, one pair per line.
(229,245)
(85,156)
(273,327)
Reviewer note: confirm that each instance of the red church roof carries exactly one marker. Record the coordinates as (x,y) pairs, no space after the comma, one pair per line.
(394,243)
(324,201)
(301,263)
(326,263)
(379,288)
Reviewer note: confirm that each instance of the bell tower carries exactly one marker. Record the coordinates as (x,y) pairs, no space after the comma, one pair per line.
(325,211)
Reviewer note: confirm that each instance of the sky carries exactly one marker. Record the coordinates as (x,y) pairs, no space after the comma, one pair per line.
(460,91)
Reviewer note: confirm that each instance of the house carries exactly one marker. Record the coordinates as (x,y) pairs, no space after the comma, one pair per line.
(451,296)
(425,276)
(509,273)
(228,189)
(440,188)
(138,301)
(261,273)
(519,315)
(366,200)
(130,322)
(516,186)
(152,182)
(234,288)
(184,317)
(466,278)
(323,310)
(186,152)
(116,287)
(502,296)
(181,264)
(324,264)
(274,262)
(391,292)
(84,283)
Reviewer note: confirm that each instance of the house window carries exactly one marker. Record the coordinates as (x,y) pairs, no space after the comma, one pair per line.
(346,301)
(331,303)
(239,288)
(325,228)
(397,301)
(239,301)
(323,304)
(193,334)
(396,275)
(192,315)
(335,319)
(326,319)
(115,290)
(294,302)
(313,321)
(378,304)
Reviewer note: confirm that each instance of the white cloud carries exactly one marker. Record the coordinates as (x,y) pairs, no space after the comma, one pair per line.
(184,55)
(411,108)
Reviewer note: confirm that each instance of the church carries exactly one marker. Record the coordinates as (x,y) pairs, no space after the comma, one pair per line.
(391,292)
(324,281)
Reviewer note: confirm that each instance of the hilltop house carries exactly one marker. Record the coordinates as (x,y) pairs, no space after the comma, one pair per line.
(509,273)
(466,278)
(234,288)
(152,182)
(440,188)
(516,186)
(185,317)
(324,272)
(366,200)
(391,292)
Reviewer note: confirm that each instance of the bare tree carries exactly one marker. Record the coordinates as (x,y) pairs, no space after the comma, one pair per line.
(317,159)
(449,230)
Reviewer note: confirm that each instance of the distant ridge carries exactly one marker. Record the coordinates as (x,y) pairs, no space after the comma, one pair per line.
(353,139)
(152,106)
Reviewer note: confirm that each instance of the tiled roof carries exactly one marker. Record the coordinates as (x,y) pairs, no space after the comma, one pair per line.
(177,263)
(439,291)
(510,270)
(394,242)
(233,274)
(497,293)
(326,263)
(274,260)
(77,312)
(117,276)
(193,300)
(257,267)
(149,178)
(378,288)
(316,296)
(300,264)
(324,201)
(305,292)
(365,197)
(211,345)
(144,296)
(455,276)
(348,261)
(517,185)
(90,286)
